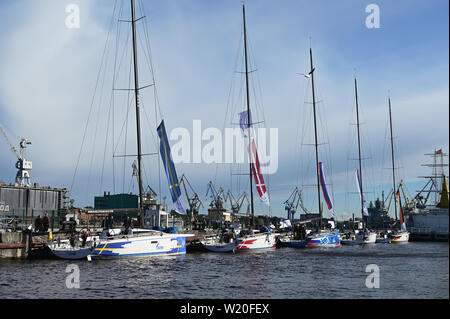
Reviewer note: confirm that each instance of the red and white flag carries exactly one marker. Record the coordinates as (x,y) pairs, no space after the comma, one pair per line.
(257,175)
(438,152)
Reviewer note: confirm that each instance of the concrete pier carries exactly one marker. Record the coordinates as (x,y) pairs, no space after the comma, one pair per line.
(14,245)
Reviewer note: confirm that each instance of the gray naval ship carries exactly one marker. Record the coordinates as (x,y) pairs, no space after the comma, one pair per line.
(428,213)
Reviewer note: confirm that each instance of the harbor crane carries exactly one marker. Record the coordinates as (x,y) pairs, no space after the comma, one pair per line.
(409,204)
(236,204)
(292,203)
(193,200)
(22,164)
(218,198)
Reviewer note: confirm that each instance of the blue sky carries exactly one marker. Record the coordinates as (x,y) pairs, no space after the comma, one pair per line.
(48,74)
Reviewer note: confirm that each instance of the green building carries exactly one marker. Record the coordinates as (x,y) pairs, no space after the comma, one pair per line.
(118,201)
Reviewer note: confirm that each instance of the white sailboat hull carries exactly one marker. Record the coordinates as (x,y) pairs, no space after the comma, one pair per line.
(158,244)
(80,253)
(64,250)
(220,248)
(361,239)
(400,237)
(256,242)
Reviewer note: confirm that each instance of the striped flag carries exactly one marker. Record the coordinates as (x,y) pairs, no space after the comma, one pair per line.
(323,183)
(402,221)
(174,185)
(257,175)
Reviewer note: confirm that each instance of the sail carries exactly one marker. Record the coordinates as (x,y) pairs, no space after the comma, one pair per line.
(402,221)
(257,175)
(174,185)
(323,183)
(358,182)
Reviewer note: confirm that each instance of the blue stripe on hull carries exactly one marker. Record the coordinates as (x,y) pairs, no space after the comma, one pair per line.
(118,249)
(330,240)
(296,244)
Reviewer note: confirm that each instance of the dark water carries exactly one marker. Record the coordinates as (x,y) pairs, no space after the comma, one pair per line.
(413,270)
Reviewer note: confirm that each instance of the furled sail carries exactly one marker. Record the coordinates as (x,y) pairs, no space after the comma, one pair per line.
(174,185)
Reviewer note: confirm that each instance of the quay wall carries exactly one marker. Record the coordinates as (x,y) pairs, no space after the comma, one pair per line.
(14,244)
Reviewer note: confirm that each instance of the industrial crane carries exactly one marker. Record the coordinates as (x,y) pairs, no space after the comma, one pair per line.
(409,204)
(217,197)
(237,204)
(292,203)
(193,200)
(23,166)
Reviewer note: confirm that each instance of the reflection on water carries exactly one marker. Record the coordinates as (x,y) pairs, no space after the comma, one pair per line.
(414,270)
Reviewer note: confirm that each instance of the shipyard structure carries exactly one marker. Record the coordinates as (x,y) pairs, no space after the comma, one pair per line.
(22,202)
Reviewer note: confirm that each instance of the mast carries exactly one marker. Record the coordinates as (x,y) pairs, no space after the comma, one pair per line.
(248,118)
(393,162)
(315,137)
(138,122)
(359,152)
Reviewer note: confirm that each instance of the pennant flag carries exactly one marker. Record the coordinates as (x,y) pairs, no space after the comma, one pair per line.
(438,152)
(257,175)
(358,182)
(323,183)
(169,166)
(402,222)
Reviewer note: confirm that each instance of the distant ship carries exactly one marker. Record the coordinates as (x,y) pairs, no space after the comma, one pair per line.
(428,214)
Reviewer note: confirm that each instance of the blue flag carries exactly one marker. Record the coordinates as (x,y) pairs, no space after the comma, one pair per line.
(174,185)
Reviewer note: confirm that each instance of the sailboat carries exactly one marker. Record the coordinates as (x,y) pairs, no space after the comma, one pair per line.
(322,237)
(366,236)
(143,242)
(253,239)
(401,235)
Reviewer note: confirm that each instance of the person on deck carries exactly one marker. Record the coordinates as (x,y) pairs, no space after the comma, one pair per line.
(45,222)
(38,224)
